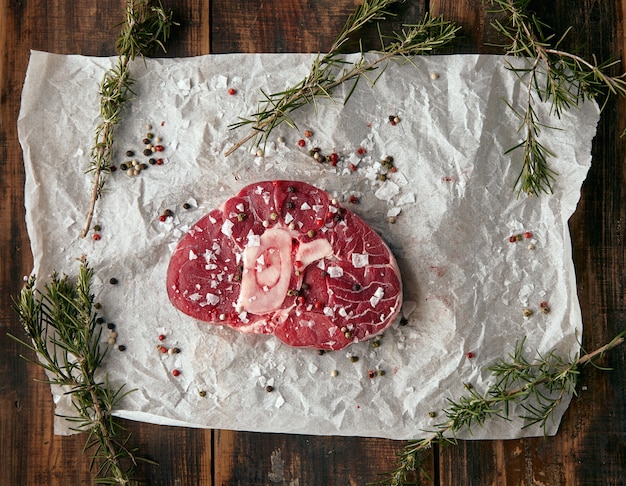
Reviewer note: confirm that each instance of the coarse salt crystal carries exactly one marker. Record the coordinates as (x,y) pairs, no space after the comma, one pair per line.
(375,299)
(192,255)
(305,206)
(212,299)
(335,272)
(227,228)
(360,260)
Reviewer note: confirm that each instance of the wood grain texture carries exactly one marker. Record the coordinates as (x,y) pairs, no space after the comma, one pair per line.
(590,448)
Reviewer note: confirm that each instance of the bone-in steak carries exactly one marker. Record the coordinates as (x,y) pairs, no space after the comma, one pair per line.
(284,258)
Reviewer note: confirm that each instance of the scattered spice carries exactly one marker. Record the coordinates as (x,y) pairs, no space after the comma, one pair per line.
(121,347)
(113,281)
(307,133)
(176,372)
(269,388)
(161,337)
(301,143)
(334,373)
(232,91)
(96,236)
(130,153)
(186,206)
(354,199)
(354,359)
(432,414)
(202,393)
(527,312)
(470,355)
(361,151)
(371,374)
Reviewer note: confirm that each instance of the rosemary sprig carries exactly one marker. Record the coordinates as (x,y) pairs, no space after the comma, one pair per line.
(60,322)
(551,75)
(538,386)
(144,28)
(331,70)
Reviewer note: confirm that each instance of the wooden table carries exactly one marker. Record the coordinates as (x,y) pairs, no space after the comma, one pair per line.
(590,448)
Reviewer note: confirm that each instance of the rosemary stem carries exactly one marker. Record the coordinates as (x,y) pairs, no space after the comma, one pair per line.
(312,91)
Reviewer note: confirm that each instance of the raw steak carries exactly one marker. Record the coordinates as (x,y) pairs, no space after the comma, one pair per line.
(284,258)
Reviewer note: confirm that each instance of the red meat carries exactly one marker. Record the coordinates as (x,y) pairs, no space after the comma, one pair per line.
(284,258)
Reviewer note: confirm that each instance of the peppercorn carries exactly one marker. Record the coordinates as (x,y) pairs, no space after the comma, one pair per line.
(311,233)
(168,213)
(159,148)
(123,167)
(334,373)
(113,281)
(320,352)
(308,133)
(432,414)
(186,206)
(111,325)
(96,236)
(202,393)
(129,153)
(146,141)
(147,152)
(301,143)
(371,373)
(381,372)
(99,320)
(354,359)
(149,135)
(121,347)
(97,227)
(528,312)
(232,91)
(269,388)
(152,161)
(176,372)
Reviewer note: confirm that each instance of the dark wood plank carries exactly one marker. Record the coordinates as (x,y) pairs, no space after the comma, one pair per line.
(589,448)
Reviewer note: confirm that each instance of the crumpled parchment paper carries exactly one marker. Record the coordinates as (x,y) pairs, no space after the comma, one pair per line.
(466,286)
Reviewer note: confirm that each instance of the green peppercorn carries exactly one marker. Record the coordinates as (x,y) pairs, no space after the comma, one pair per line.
(354,359)
(202,393)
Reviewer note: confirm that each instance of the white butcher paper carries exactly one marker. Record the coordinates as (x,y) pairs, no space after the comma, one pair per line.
(465,285)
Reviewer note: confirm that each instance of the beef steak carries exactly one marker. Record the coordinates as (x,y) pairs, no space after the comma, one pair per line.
(284,258)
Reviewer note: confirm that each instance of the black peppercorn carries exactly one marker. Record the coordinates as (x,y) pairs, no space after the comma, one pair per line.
(152,161)
(186,206)
(147,152)
(113,281)
(129,153)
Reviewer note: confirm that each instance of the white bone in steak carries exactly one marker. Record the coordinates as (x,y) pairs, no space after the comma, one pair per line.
(284,258)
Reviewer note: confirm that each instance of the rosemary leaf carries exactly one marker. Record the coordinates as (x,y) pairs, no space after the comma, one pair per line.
(145,28)
(331,70)
(552,75)
(61,322)
(538,386)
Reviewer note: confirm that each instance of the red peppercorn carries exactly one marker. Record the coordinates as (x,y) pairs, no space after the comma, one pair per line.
(176,372)
(308,133)
(159,161)
(96,236)
(318,305)
(354,199)
(371,373)
(352,167)
(361,151)
(161,337)
(334,158)
(470,355)
(528,235)
(319,223)
(301,143)
(543,304)
(159,148)
(232,91)
(162,218)
(513,239)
